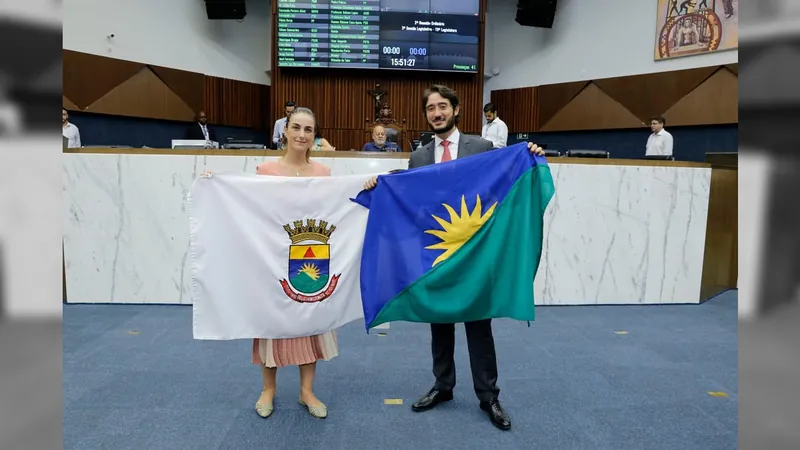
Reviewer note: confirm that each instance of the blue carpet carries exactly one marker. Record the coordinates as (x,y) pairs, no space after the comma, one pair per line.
(135,379)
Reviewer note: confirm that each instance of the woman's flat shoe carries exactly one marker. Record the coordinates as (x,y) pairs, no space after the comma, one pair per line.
(264,410)
(320,412)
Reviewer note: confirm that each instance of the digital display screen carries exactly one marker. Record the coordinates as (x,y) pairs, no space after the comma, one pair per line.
(439,35)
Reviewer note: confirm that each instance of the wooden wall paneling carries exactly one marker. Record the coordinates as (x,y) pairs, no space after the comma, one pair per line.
(186,85)
(685,95)
(518,108)
(715,101)
(99,84)
(68,104)
(592,109)
(143,95)
(720,260)
(88,77)
(234,103)
(343,139)
(344,102)
(211,100)
(552,98)
(653,94)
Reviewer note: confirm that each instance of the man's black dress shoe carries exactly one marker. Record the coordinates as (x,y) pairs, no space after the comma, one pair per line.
(497,414)
(431,399)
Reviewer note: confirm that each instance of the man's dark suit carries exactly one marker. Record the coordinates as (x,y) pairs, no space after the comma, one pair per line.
(480,341)
(195,132)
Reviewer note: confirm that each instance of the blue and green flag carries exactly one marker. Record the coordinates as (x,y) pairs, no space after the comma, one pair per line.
(457,241)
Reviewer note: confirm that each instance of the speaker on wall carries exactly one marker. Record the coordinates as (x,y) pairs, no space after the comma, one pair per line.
(226,9)
(536,13)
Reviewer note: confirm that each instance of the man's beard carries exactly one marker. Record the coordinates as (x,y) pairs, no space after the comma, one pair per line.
(449,125)
(380,143)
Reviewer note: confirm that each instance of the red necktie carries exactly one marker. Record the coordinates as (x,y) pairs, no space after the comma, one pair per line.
(446,154)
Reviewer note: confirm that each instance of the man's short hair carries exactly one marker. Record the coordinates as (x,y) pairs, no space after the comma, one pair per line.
(289,104)
(490,108)
(444,91)
(659,119)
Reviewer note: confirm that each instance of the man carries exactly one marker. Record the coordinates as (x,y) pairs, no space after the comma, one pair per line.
(441,107)
(280,124)
(495,129)
(660,141)
(200,130)
(379,142)
(70,131)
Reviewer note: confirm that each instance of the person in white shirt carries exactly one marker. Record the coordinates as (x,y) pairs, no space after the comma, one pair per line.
(70,131)
(280,124)
(495,130)
(660,141)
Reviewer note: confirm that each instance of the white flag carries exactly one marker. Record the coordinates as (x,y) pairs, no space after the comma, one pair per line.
(275,257)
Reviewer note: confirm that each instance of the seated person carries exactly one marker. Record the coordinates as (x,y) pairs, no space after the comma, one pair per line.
(379,142)
(200,130)
(320,143)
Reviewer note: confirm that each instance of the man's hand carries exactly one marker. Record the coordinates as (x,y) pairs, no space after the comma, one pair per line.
(535,149)
(371,183)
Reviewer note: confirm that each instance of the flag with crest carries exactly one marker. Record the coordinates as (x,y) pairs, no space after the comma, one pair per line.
(275,257)
(458,241)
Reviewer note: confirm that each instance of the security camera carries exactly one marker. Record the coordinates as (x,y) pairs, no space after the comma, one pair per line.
(111,36)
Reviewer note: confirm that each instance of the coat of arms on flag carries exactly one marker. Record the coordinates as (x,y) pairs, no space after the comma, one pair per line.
(309,279)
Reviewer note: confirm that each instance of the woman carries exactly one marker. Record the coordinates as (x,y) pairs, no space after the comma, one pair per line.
(304,352)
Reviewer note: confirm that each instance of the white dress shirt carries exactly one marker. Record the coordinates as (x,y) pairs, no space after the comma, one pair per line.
(497,132)
(439,149)
(72,134)
(277,132)
(659,143)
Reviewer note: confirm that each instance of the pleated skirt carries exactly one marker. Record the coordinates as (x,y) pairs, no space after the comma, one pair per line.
(295,351)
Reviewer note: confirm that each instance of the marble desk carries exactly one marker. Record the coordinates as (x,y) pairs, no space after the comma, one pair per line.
(616,232)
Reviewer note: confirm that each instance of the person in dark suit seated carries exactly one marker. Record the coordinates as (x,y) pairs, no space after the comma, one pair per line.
(379,142)
(200,130)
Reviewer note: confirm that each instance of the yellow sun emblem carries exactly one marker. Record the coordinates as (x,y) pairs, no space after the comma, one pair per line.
(311,270)
(460,228)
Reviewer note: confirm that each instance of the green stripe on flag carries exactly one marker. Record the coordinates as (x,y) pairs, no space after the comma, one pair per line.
(491,275)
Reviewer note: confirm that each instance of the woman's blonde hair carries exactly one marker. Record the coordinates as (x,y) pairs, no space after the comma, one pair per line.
(301,110)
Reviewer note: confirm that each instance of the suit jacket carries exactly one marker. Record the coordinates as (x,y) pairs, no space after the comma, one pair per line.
(467,146)
(195,132)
